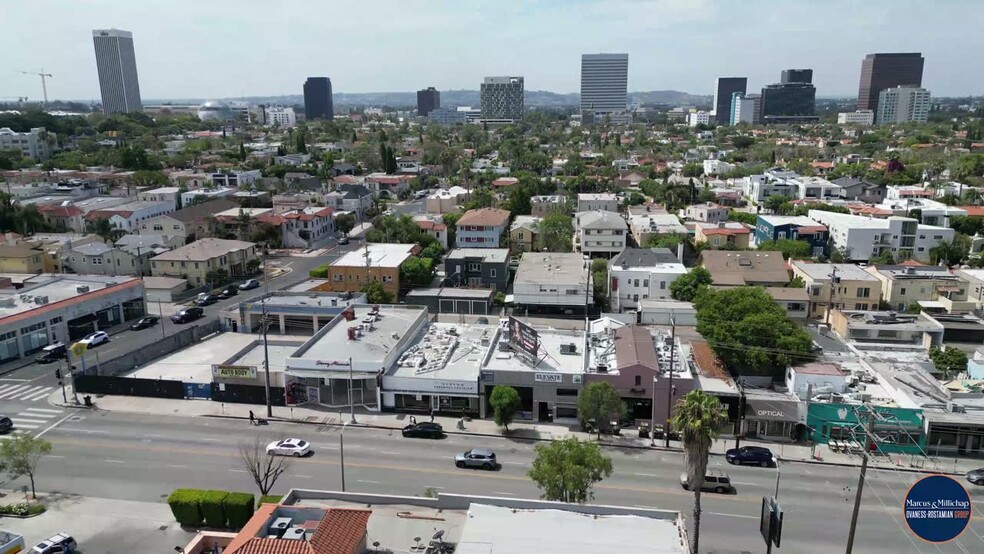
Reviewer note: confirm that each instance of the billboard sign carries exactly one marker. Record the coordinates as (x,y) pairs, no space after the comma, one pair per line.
(234,371)
(770,522)
(523,337)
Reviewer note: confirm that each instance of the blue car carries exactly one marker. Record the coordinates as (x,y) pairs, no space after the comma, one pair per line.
(754,455)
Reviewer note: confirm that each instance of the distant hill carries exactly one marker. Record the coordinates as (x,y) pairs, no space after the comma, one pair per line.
(534,98)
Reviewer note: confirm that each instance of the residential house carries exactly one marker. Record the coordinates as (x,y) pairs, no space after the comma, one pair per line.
(187,224)
(861,190)
(784,227)
(204,195)
(63,218)
(387,186)
(477,268)
(54,247)
(127,218)
(283,203)
(310,227)
(732,269)
(644,224)
(446,200)
(99,258)
(558,281)
(20,259)
(723,234)
(845,286)
(860,238)
(352,198)
(202,260)
(379,262)
(630,179)
(708,212)
(542,206)
(236,179)
(481,228)
(599,233)
(905,285)
(240,222)
(162,194)
(602,201)
(435,228)
(640,274)
(523,232)
(794,300)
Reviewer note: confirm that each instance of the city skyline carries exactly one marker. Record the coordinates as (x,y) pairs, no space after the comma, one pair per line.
(545,42)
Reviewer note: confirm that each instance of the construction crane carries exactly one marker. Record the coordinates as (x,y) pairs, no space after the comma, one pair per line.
(44,83)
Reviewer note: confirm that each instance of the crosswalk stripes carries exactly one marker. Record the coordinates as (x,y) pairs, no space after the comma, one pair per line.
(32,419)
(28,392)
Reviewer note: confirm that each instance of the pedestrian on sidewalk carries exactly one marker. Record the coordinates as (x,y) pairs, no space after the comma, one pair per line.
(252,418)
(432,415)
(413,420)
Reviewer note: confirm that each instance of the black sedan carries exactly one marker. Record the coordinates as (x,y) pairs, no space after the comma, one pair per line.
(425,430)
(755,455)
(976,476)
(229,292)
(144,322)
(207,300)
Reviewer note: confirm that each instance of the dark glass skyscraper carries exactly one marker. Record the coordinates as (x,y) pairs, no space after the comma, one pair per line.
(796,76)
(428,100)
(317,99)
(723,92)
(884,71)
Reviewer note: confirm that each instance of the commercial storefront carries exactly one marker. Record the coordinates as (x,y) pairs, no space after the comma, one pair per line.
(774,416)
(422,395)
(544,395)
(896,430)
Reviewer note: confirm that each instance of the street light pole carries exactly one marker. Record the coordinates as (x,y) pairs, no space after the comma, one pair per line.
(160,310)
(652,425)
(669,388)
(351,402)
(776,461)
(864,471)
(266,349)
(341,450)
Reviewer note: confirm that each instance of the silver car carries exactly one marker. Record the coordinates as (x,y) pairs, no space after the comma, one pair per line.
(482,458)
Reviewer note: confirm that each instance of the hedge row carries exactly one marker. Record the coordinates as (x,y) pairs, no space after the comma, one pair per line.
(217,509)
(269,499)
(320,272)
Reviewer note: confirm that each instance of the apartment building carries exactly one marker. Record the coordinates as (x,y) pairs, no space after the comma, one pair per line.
(35,144)
(481,228)
(128,217)
(599,233)
(187,224)
(553,281)
(199,261)
(845,286)
(375,262)
(905,285)
(477,268)
(638,274)
(723,234)
(542,206)
(859,238)
(523,232)
(601,201)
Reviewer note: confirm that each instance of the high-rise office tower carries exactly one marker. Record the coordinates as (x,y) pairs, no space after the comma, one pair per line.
(117,67)
(317,99)
(502,98)
(428,100)
(902,104)
(604,84)
(796,76)
(746,108)
(882,71)
(723,92)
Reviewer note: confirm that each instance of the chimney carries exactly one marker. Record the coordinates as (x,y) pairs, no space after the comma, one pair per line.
(352,333)
(349,313)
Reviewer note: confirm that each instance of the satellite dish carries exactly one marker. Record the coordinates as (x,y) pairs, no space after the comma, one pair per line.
(438,535)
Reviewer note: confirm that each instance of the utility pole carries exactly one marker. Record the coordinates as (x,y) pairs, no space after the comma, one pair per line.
(351,400)
(834,279)
(741,414)
(869,432)
(669,388)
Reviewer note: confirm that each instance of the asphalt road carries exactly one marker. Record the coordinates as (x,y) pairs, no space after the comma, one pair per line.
(132,457)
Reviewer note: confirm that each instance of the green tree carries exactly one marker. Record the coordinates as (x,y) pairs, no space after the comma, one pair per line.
(599,278)
(692,170)
(566,470)
(742,217)
(686,287)
(796,283)
(451,221)
(948,360)
(790,248)
(742,142)
(750,332)
(885,258)
(601,403)
(417,271)
(697,418)
(102,227)
(505,403)
(950,252)
(556,233)
(344,223)
(376,294)
(775,202)
(20,455)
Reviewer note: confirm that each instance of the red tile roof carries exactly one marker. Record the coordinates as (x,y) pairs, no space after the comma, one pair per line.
(822,165)
(973,210)
(505,182)
(485,217)
(56,210)
(341,531)
(431,225)
(347,180)
(808,229)
(106,214)
(257,545)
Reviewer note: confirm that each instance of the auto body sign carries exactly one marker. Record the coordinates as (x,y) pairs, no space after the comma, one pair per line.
(937,508)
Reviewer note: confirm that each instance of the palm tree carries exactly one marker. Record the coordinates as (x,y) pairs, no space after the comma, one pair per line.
(949,252)
(102,227)
(697,417)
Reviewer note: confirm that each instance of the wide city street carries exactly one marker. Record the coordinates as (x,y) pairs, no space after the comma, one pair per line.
(142,458)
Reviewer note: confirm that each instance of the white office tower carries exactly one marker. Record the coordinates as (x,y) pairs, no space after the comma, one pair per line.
(604,85)
(117,66)
(903,104)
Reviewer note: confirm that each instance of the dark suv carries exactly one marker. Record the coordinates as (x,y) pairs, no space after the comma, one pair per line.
(52,353)
(754,455)
(188,314)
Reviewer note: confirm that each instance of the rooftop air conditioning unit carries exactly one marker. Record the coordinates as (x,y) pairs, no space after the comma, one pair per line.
(568,348)
(279,526)
(81,289)
(602,368)
(40,300)
(294,534)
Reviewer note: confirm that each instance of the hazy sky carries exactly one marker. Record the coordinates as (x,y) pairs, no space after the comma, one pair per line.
(227,48)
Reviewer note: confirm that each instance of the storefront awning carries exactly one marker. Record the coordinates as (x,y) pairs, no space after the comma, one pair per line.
(772,410)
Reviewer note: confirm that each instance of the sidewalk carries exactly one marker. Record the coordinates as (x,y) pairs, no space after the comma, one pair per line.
(785,452)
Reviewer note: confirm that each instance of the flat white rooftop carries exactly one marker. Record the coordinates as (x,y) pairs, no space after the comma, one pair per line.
(549,358)
(55,288)
(194,364)
(446,351)
(380,255)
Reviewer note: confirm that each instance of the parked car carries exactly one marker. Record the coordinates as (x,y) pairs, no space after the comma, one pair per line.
(60,543)
(188,314)
(144,322)
(424,430)
(976,476)
(754,455)
(229,291)
(95,339)
(343,241)
(715,480)
(249,284)
(6,424)
(476,457)
(289,447)
(207,300)
(52,353)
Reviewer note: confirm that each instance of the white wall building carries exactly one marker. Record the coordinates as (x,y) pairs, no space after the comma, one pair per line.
(552,279)
(902,104)
(699,118)
(859,238)
(747,109)
(600,233)
(860,117)
(188,197)
(281,117)
(605,201)
(236,179)
(717,167)
(31,144)
(639,274)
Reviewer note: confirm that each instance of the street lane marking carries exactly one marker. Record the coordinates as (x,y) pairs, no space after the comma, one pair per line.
(746,484)
(53,425)
(115,461)
(9,393)
(208,439)
(11,379)
(53,456)
(86,431)
(503,493)
(177,466)
(646,474)
(390,452)
(40,394)
(304,476)
(515,463)
(367,481)
(43,411)
(731,515)
(238,470)
(156,436)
